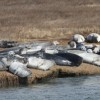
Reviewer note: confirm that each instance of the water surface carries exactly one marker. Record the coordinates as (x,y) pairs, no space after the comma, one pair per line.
(72,88)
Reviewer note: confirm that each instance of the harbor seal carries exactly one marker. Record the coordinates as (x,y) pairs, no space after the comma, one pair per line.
(19,69)
(39,63)
(87,57)
(78,38)
(93,37)
(63,59)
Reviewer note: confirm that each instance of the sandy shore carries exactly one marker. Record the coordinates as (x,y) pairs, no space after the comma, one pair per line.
(8,79)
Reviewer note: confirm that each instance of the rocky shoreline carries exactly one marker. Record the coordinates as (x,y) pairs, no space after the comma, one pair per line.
(8,79)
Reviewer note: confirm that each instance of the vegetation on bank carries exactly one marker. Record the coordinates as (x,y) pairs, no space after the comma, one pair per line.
(8,79)
(25,20)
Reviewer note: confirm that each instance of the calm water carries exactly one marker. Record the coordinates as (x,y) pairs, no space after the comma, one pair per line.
(74,88)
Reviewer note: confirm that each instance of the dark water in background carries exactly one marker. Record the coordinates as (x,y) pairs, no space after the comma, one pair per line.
(72,88)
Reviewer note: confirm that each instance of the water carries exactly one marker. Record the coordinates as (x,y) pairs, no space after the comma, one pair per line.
(72,88)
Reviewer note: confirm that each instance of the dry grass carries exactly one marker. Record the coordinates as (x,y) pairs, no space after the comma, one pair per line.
(84,69)
(62,71)
(8,79)
(24,20)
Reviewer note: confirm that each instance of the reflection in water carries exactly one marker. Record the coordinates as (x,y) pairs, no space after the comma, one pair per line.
(72,88)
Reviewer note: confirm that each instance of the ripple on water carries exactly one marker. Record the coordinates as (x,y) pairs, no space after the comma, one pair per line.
(72,88)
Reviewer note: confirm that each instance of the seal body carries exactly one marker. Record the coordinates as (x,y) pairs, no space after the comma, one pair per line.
(87,57)
(93,37)
(74,59)
(19,69)
(78,38)
(39,63)
(64,59)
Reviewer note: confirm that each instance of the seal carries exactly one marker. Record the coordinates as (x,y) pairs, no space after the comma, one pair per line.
(78,38)
(64,59)
(19,69)
(87,57)
(93,37)
(74,59)
(16,64)
(39,63)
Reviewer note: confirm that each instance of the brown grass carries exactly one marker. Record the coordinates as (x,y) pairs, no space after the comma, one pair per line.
(8,79)
(24,20)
